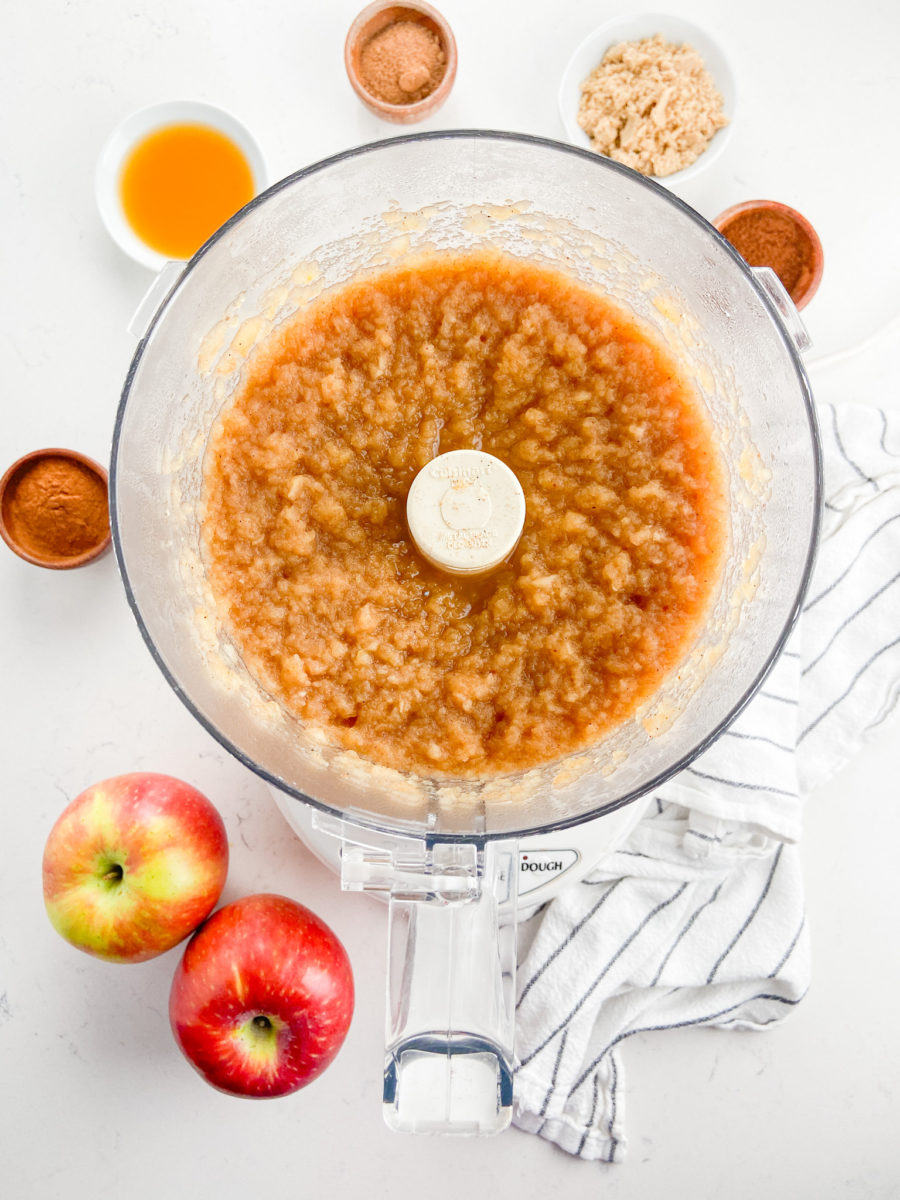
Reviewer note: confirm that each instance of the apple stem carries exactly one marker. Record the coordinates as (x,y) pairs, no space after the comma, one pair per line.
(114,874)
(262,1022)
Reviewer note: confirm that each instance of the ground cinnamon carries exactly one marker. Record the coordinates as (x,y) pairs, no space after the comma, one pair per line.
(57,508)
(402,63)
(768,238)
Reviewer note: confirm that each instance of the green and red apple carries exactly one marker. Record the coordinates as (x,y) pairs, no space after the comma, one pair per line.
(133,865)
(262,999)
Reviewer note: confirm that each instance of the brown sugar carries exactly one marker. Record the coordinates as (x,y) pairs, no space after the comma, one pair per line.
(651,105)
(403,63)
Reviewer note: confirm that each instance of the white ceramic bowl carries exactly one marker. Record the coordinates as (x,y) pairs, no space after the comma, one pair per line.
(629,29)
(134,129)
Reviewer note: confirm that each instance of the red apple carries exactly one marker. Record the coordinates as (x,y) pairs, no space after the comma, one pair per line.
(133,865)
(262,999)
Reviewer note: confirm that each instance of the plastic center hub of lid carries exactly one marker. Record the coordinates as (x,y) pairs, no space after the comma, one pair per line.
(465,511)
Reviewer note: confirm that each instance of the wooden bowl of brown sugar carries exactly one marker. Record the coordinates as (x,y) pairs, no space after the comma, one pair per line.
(767,233)
(54,509)
(401,60)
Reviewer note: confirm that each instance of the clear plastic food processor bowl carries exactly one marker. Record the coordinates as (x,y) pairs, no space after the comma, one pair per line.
(441,848)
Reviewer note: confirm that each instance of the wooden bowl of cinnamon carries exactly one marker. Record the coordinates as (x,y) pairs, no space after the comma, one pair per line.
(767,233)
(401,60)
(54,509)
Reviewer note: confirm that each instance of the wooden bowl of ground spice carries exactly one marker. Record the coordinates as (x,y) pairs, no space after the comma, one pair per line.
(54,509)
(401,60)
(768,234)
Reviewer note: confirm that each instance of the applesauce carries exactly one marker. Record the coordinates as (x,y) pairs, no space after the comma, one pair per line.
(313,569)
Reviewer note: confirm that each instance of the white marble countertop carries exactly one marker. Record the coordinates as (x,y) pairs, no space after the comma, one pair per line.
(96,1098)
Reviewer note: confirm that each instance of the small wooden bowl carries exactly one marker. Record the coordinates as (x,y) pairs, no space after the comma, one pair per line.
(806,237)
(8,488)
(372,20)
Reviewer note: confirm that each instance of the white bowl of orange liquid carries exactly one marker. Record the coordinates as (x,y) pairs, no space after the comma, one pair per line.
(170,175)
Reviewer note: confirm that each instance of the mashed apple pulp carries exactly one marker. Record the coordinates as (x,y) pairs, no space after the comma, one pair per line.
(308,553)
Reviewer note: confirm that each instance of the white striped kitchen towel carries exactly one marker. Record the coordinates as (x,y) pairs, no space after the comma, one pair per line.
(699,918)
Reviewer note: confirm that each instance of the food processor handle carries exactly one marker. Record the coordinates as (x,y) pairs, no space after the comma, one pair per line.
(784,306)
(159,289)
(451,1001)
(451,982)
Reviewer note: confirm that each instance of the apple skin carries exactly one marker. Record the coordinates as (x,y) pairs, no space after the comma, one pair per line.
(262,998)
(133,865)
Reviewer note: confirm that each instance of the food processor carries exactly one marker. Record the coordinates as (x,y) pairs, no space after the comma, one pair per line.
(459,859)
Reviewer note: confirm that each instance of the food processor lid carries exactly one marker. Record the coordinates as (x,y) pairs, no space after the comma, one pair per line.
(493,167)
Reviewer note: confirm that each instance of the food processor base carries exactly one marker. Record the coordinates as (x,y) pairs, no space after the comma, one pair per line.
(547,861)
(452,929)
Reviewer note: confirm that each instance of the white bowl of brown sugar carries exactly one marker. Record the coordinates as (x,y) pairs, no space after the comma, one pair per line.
(653,92)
